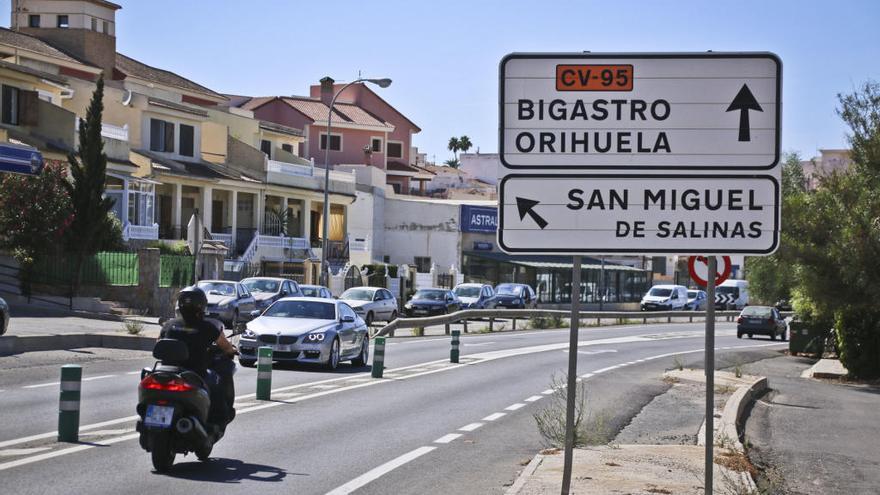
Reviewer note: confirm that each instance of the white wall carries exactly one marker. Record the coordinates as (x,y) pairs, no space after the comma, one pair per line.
(421,228)
(483,166)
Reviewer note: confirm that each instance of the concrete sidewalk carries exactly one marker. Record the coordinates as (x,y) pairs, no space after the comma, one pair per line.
(814,436)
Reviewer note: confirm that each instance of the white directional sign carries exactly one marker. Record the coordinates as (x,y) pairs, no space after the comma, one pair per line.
(576,214)
(699,111)
(639,153)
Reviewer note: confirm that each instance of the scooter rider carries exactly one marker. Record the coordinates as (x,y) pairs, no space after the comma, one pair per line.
(198,333)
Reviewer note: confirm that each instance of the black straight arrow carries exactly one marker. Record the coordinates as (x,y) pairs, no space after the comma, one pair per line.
(525,207)
(744,101)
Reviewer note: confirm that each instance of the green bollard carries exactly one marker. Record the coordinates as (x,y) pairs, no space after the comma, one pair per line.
(264,373)
(453,353)
(378,357)
(68,404)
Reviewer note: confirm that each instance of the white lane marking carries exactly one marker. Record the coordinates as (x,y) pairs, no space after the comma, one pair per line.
(494,416)
(548,391)
(448,438)
(514,407)
(39,385)
(102,433)
(471,427)
(133,373)
(97,378)
(324,387)
(479,344)
(17,452)
(587,375)
(380,471)
(51,434)
(534,398)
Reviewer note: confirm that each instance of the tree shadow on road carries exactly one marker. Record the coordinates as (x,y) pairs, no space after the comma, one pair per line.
(222,470)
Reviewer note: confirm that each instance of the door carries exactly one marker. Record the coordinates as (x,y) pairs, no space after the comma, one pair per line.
(346,330)
(217,217)
(246,302)
(391,303)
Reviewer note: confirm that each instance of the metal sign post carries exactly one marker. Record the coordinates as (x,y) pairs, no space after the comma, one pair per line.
(571,382)
(710,371)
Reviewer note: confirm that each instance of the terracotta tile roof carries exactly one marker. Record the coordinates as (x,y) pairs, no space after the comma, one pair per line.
(252,103)
(140,70)
(345,112)
(402,167)
(282,129)
(27,70)
(32,44)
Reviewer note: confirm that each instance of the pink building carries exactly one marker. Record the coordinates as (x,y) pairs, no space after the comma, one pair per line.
(365,129)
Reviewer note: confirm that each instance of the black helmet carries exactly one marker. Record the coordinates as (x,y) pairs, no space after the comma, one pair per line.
(192,303)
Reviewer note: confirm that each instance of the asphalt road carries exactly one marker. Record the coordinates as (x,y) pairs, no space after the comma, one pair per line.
(429,427)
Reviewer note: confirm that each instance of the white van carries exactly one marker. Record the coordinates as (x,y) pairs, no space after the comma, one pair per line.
(665,298)
(732,294)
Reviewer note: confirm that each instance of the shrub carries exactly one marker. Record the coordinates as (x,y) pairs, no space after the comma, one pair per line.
(858,341)
(589,429)
(543,322)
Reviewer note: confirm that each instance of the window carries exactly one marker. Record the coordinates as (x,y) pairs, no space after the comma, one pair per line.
(10,105)
(187,140)
(63,21)
(94,24)
(106,26)
(161,136)
(34,21)
(335,142)
(376,145)
(423,264)
(266,147)
(395,149)
(287,147)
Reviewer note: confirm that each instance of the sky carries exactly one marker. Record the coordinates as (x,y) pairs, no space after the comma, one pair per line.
(443,56)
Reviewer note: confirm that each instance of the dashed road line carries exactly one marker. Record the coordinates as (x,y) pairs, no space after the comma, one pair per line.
(549,391)
(448,438)
(40,385)
(471,427)
(514,407)
(534,398)
(380,471)
(494,416)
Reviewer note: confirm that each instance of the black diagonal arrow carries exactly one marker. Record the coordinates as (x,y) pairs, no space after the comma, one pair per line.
(744,101)
(526,207)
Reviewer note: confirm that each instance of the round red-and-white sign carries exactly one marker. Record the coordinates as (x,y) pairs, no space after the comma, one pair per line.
(698,266)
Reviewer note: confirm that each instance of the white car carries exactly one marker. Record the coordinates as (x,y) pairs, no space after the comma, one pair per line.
(665,298)
(371,303)
(307,330)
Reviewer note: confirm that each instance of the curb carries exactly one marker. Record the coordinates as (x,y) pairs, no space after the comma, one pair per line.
(524,475)
(14,344)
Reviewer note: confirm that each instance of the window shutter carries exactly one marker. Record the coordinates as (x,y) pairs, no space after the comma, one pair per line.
(187,140)
(28,108)
(156,135)
(169,137)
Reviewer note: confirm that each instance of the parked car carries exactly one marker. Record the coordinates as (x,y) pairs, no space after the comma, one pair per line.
(761,320)
(430,302)
(316,291)
(267,290)
(515,296)
(696,300)
(307,330)
(665,298)
(228,301)
(4,316)
(783,305)
(732,294)
(371,303)
(475,296)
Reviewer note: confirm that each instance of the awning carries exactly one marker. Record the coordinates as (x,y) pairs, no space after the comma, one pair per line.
(552,262)
(131,178)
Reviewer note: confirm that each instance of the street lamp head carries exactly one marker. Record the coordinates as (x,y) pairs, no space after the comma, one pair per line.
(382,83)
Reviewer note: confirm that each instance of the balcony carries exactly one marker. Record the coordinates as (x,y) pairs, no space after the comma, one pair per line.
(308,176)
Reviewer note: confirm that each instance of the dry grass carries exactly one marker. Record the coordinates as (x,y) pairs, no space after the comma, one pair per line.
(736,461)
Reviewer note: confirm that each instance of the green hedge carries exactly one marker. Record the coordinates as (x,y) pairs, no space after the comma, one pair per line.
(107,268)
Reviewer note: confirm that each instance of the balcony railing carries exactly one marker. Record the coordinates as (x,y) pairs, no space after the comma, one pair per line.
(110,131)
(307,171)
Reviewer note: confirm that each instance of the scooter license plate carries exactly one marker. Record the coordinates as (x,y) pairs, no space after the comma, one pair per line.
(159,416)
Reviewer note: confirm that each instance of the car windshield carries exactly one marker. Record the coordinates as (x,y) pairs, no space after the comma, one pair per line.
(358,295)
(261,285)
(302,309)
(217,288)
(728,290)
(467,291)
(508,290)
(757,311)
(657,292)
(430,295)
(310,291)
(692,294)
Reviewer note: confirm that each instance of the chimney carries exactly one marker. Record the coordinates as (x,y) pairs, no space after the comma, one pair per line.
(327,90)
(87,31)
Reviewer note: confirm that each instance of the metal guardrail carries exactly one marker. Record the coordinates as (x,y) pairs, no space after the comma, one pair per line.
(514,314)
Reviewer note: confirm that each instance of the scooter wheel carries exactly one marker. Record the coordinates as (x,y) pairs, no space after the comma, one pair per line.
(204,453)
(162,453)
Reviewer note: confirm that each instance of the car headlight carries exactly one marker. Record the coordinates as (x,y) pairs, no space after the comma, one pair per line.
(407,306)
(314,338)
(248,334)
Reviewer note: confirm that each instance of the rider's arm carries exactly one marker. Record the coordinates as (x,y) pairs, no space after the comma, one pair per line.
(226,346)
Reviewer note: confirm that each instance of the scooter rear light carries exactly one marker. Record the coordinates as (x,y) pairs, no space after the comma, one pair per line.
(173,385)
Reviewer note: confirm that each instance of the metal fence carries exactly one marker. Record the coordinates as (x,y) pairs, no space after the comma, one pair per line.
(175,271)
(106,268)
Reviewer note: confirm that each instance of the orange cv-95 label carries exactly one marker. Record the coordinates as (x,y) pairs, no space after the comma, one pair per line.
(594,78)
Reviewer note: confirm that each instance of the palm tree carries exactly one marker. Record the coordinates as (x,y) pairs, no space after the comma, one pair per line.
(464,144)
(454,146)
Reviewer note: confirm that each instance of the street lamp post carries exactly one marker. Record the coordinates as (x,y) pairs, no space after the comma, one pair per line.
(382,83)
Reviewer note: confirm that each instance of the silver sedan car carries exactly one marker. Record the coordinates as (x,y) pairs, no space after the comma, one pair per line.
(307,330)
(371,303)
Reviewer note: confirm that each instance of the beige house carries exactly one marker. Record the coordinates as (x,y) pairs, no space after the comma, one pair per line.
(175,147)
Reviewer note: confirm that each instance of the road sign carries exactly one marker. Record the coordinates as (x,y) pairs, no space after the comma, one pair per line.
(20,159)
(698,266)
(680,111)
(638,214)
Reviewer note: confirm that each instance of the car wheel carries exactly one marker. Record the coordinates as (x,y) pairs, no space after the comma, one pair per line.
(364,356)
(751,336)
(247,363)
(393,316)
(783,336)
(773,335)
(739,335)
(2,325)
(369,319)
(333,359)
